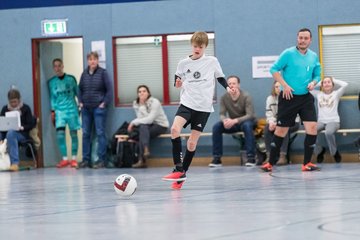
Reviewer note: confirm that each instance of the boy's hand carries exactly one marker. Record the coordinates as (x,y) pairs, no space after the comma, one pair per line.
(178,83)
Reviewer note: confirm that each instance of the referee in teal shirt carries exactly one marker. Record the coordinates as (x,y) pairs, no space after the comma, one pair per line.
(298,71)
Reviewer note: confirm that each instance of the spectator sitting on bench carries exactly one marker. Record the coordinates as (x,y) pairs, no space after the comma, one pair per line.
(15,136)
(271,116)
(328,117)
(150,120)
(236,114)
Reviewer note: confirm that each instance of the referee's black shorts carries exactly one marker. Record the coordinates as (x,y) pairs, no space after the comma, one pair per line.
(298,104)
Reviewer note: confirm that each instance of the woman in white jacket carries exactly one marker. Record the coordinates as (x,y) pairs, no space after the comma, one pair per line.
(328,117)
(150,120)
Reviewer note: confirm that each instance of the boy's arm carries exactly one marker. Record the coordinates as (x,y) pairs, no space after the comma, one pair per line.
(223,82)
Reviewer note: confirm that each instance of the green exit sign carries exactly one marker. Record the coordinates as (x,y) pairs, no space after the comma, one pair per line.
(54,27)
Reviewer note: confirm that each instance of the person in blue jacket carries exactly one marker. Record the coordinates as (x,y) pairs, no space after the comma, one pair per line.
(95,96)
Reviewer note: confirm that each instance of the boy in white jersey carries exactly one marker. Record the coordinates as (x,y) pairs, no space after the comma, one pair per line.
(196,76)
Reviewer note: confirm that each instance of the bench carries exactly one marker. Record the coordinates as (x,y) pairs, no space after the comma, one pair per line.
(124,137)
(240,137)
(344,132)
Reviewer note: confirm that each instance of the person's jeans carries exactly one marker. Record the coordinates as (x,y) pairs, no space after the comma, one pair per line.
(13,139)
(89,117)
(247,127)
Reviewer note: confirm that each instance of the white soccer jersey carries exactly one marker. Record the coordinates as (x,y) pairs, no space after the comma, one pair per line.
(198,85)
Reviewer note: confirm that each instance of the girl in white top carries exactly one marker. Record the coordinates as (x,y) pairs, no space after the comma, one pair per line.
(150,120)
(328,117)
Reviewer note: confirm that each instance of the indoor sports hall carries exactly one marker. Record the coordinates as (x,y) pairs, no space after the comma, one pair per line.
(140,42)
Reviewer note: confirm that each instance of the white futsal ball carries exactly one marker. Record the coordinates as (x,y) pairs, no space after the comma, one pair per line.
(125,185)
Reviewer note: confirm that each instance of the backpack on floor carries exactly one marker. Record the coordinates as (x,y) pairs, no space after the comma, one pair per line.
(122,130)
(126,154)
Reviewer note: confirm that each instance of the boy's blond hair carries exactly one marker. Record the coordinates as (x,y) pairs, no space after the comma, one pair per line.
(200,38)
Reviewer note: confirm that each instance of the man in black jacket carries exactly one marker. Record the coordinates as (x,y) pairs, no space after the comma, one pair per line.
(95,95)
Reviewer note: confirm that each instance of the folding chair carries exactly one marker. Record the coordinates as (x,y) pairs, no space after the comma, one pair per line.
(28,145)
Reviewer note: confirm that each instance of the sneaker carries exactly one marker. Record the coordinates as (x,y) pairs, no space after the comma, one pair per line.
(337,157)
(63,163)
(216,162)
(73,164)
(175,176)
(14,168)
(177,185)
(309,167)
(266,167)
(98,164)
(320,156)
(83,164)
(250,162)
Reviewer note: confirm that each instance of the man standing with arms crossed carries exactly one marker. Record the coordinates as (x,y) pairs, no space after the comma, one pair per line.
(301,70)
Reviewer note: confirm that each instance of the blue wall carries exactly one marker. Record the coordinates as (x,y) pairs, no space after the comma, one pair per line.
(243,29)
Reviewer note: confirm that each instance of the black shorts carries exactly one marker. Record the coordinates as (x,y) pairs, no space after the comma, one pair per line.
(197,119)
(298,104)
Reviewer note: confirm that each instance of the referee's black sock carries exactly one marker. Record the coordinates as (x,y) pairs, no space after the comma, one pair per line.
(177,153)
(188,159)
(275,149)
(309,145)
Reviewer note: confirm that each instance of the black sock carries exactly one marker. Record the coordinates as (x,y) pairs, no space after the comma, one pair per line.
(275,149)
(309,145)
(188,159)
(177,153)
